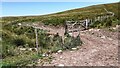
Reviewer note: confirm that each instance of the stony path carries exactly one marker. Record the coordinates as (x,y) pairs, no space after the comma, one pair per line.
(99,48)
(95,51)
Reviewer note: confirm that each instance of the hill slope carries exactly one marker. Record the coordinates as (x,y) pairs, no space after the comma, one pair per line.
(74,14)
(14,36)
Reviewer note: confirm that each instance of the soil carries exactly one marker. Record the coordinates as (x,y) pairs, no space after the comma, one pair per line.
(99,48)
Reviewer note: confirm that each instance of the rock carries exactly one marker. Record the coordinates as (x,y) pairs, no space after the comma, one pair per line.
(19,24)
(74,48)
(78,47)
(0,39)
(49,51)
(92,33)
(47,55)
(65,37)
(70,34)
(117,26)
(61,57)
(39,60)
(27,24)
(71,51)
(94,50)
(74,62)
(90,30)
(43,55)
(114,28)
(30,49)
(35,49)
(110,38)
(98,30)
(103,37)
(22,49)
(59,51)
(61,65)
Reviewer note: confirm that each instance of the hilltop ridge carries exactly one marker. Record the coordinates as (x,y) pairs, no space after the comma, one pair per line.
(74,14)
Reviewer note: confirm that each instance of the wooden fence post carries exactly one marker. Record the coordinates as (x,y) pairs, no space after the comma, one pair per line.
(36,41)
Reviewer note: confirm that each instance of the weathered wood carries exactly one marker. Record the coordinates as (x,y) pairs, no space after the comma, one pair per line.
(36,34)
(71,27)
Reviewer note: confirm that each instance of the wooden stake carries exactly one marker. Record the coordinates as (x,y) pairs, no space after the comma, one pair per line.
(36,41)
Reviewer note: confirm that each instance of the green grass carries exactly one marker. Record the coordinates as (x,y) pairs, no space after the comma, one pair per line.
(14,35)
(20,60)
(75,14)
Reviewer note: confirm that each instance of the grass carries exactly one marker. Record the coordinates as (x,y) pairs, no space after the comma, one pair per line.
(80,13)
(20,60)
(15,34)
(14,57)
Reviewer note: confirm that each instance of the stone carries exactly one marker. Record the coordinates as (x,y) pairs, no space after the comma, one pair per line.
(30,49)
(74,48)
(22,49)
(47,55)
(35,49)
(70,34)
(59,51)
(39,60)
(19,24)
(110,38)
(98,30)
(92,33)
(103,37)
(61,57)
(114,28)
(90,29)
(61,65)
(117,26)
(74,62)
(0,39)
(94,50)
(43,55)
(71,51)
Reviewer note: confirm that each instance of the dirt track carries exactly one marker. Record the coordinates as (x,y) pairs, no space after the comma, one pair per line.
(100,48)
